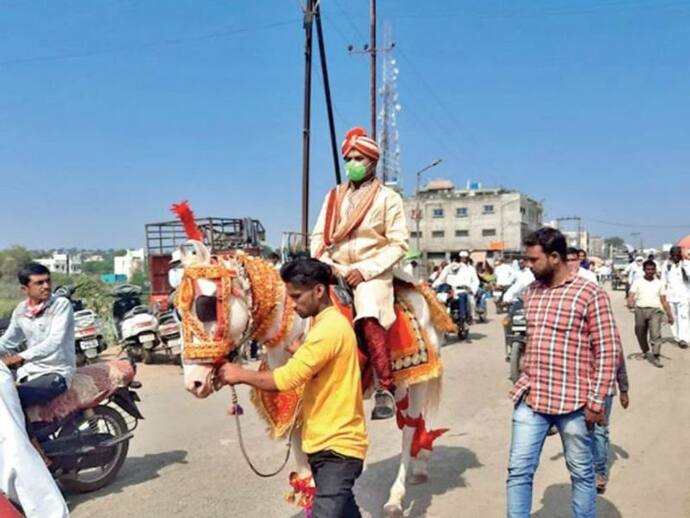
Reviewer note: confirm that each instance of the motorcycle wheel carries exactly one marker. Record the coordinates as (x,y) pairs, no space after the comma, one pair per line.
(89,480)
(81,360)
(516,353)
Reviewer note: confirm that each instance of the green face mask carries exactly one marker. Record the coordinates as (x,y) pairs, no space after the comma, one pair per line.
(355,171)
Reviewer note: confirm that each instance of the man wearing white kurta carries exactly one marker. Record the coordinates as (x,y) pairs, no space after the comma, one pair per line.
(23,475)
(675,276)
(361,233)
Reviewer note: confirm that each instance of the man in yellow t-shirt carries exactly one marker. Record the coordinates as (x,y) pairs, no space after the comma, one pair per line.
(334,435)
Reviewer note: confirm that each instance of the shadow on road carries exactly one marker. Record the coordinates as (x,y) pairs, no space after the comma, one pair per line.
(615,452)
(136,470)
(556,504)
(446,468)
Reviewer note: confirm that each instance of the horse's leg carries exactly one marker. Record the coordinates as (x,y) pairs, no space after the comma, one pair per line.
(417,401)
(301,463)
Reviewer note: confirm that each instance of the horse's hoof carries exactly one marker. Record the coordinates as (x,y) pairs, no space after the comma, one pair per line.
(392,511)
(419,478)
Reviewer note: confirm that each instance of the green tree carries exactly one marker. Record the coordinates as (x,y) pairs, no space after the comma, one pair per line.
(12,259)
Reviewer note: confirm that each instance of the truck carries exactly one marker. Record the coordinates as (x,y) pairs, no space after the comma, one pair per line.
(221,236)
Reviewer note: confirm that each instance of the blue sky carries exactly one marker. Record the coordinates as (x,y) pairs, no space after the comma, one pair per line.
(111,110)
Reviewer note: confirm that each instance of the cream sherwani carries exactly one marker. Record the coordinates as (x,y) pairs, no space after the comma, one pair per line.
(373,248)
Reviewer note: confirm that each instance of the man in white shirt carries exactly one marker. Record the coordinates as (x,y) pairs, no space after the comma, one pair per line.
(648,297)
(23,474)
(505,274)
(675,276)
(634,271)
(575,266)
(525,277)
(459,273)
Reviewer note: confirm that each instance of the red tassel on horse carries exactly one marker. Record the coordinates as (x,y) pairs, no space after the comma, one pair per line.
(184,212)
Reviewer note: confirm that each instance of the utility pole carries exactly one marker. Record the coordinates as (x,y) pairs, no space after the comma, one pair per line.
(306,131)
(418,210)
(371,49)
(579,227)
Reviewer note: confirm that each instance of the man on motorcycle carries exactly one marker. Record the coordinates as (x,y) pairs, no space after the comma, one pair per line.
(45,324)
(361,233)
(525,277)
(461,274)
(24,477)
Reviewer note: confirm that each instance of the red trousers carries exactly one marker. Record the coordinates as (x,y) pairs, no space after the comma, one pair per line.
(379,353)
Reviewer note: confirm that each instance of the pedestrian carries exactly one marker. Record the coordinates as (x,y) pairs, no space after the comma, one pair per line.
(334,435)
(648,298)
(633,272)
(584,261)
(574,258)
(601,431)
(675,275)
(571,355)
(39,341)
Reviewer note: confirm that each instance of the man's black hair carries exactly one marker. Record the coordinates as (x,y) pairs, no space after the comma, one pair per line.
(583,251)
(29,269)
(307,272)
(274,255)
(550,239)
(572,250)
(649,262)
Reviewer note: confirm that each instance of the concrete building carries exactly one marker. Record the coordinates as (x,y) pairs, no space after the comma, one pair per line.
(130,263)
(579,240)
(62,263)
(597,247)
(444,220)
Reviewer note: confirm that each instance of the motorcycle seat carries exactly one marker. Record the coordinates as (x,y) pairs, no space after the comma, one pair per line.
(91,385)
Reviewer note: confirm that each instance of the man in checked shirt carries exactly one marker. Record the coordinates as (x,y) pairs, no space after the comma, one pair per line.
(571,357)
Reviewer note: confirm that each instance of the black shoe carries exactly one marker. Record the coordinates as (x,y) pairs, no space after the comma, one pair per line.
(553,430)
(653,360)
(683,344)
(384,405)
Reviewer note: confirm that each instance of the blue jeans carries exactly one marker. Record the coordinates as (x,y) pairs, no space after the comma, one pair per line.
(529,433)
(600,444)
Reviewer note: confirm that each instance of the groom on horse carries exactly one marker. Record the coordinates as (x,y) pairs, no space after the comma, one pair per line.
(361,233)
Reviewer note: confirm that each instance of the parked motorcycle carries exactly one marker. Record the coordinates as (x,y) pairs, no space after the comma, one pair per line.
(88,336)
(85,433)
(170,334)
(458,303)
(135,324)
(515,327)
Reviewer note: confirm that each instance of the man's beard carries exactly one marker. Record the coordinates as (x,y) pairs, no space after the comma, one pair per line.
(546,276)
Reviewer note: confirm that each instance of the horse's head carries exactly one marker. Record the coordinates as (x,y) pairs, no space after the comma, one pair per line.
(215,316)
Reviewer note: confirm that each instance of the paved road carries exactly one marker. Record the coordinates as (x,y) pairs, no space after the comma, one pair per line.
(185,461)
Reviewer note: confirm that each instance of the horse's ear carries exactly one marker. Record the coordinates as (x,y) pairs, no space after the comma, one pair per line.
(200,254)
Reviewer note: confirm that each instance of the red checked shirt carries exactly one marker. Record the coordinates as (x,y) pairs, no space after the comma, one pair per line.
(572,349)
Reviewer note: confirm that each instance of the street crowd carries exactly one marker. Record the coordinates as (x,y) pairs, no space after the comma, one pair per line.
(574,365)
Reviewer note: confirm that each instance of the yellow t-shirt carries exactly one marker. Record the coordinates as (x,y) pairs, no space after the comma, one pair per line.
(326,364)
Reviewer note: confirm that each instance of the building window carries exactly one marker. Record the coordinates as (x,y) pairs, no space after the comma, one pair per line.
(523,210)
(462,233)
(461,212)
(488,209)
(416,234)
(437,213)
(438,233)
(488,232)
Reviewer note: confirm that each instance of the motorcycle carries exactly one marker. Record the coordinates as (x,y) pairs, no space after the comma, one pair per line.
(515,327)
(135,324)
(88,336)
(499,291)
(481,304)
(84,431)
(170,334)
(458,303)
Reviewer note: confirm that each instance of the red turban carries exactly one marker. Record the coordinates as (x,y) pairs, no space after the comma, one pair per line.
(357,139)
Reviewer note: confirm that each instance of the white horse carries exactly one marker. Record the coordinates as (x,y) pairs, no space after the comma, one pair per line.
(241,280)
